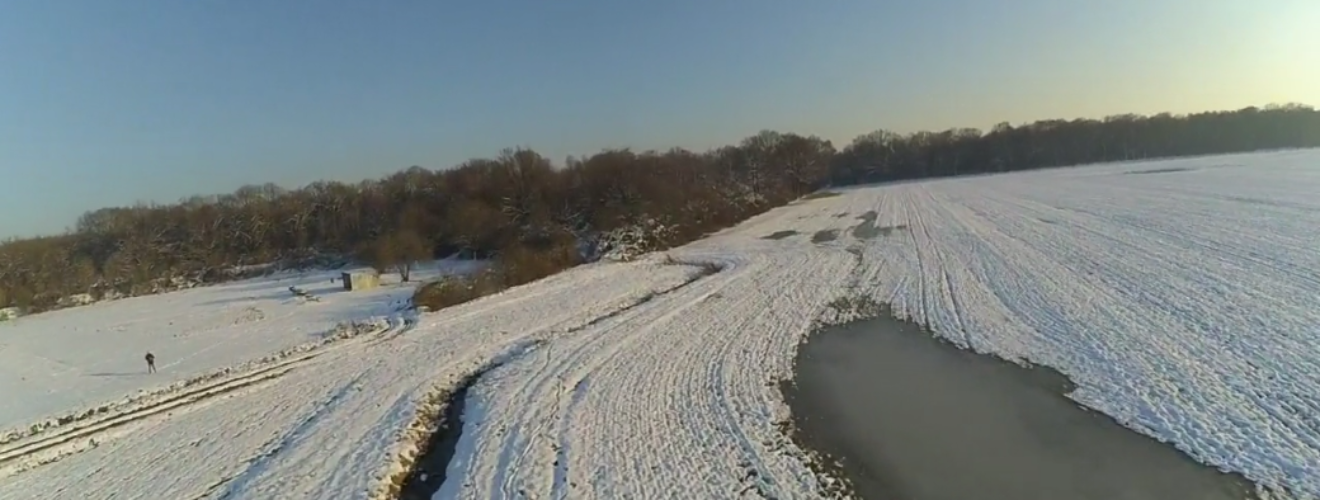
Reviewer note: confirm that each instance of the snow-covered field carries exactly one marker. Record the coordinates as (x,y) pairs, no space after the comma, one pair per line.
(1185,303)
(73,358)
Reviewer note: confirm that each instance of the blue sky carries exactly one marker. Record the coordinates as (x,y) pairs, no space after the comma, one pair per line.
(107,102)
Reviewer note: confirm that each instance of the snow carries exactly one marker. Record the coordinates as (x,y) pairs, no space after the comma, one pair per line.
(1183,301)
(74,358)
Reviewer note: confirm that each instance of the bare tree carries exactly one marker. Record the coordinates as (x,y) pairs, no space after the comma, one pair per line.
(381,254)
(400,252)
(409,249)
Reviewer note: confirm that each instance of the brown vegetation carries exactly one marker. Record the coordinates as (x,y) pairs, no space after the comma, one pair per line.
(531,215)
(398,251)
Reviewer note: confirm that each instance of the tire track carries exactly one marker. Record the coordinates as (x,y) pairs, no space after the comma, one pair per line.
(949,292)
(339,337)
(166,402)
(1228,254)
(487,304)
(914,215)
(1078,257)
(1277,394)
(1228,251)
(192,397)
(725,405)
(517,448)
(452,418)
(941,289)
(257,465)
(405,324)
(679,374)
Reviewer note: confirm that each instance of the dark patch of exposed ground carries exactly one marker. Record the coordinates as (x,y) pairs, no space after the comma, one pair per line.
(868,230)
(820,194)
(826,235)
(899,414)
(1168,170)
(779,235)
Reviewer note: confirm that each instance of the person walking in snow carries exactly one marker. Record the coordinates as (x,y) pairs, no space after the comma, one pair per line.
(151,363)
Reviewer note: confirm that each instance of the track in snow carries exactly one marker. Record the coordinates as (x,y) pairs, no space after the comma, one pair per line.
(230,486)
(429,470)
(460,448)
(55,443)
(569,421)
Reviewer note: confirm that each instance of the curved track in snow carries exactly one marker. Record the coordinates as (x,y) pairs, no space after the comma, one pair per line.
(1183,304)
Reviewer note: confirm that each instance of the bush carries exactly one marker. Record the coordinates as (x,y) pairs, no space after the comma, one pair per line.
(520,264)
(515,266)
(456,290)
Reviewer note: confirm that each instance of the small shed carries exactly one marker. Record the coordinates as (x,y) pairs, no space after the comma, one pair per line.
(359,281)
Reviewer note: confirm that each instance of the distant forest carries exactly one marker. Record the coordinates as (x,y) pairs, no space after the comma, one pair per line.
(532,215)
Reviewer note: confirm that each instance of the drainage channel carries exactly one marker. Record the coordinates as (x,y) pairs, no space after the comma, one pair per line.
(428,472)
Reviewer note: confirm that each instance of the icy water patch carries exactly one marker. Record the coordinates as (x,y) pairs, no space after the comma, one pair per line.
(904,415)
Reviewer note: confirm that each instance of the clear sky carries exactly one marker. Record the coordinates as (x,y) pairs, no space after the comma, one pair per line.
(106,102)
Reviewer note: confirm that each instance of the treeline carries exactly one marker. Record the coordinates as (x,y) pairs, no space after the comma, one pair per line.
(533,216)
(887,156)
(517,207)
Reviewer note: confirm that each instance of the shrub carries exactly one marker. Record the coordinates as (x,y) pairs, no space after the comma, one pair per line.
(521,264)
(455,290)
